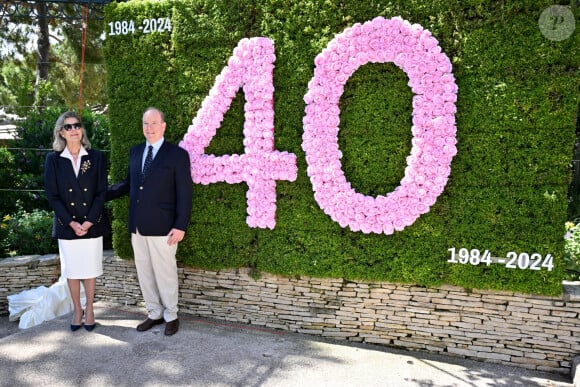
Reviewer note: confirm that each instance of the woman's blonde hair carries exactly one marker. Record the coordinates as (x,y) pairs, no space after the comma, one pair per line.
(59,143)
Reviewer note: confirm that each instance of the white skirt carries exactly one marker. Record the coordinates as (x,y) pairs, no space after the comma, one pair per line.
(81,258)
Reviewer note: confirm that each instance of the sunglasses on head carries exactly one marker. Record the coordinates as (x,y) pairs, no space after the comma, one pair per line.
(69,127)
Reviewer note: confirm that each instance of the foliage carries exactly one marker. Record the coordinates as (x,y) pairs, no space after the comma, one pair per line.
(10,179)
(572,251)
(27,232)
(18,63)
(65,72)
(15,35)
(17,85)
(574,192)
(508,187)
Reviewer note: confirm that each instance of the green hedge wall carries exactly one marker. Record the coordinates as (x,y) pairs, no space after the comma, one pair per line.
(516,114)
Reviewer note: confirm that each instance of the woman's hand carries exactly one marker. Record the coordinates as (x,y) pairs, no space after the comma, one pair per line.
(86,225)
(77,228)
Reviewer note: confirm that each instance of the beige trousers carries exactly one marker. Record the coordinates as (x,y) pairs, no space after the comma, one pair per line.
(157,272)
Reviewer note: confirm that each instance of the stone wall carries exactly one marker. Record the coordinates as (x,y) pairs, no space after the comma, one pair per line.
(535,332)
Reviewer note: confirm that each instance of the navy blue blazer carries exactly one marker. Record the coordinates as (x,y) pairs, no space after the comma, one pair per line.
(163,200)
(77,198)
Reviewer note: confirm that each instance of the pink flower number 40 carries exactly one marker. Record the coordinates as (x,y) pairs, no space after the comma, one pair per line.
(380,40)
(250,67)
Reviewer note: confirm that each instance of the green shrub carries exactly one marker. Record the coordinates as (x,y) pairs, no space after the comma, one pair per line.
(572,251)
(4,227)
(10,181)
(28,233)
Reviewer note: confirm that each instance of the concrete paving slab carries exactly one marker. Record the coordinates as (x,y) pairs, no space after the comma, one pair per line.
(216,353)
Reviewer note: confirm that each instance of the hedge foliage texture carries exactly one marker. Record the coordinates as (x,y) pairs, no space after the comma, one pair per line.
(516,114)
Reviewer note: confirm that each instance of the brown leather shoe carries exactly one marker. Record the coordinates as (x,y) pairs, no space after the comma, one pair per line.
(148,324)
(171,327)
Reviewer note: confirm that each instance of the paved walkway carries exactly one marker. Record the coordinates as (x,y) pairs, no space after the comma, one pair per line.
(214,353)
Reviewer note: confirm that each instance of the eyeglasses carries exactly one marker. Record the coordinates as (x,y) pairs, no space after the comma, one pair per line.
(69,127)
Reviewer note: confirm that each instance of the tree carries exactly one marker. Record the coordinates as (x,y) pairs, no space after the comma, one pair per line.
(55,30)
(42,52)
(17,85)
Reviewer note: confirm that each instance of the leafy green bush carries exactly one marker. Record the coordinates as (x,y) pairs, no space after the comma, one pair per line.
(28,233)
(4,224)
(17,79)
(10,180)
(572,251)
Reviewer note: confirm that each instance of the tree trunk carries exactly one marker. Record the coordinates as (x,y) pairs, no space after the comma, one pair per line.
(42,50)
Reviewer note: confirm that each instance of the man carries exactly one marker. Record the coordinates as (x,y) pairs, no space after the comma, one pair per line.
(160,190)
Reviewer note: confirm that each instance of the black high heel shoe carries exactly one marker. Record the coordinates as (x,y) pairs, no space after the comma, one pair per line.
(89,327)
(74,327)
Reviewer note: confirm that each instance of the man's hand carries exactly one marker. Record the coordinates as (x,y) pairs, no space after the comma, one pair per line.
(175,236)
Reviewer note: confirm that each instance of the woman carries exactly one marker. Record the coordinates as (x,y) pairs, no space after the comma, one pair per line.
(75,181)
